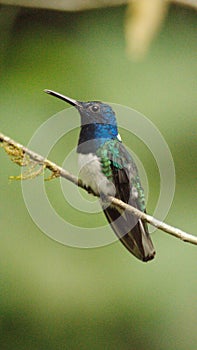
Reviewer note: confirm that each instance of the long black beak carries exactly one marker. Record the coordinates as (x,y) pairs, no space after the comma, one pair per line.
(64,98)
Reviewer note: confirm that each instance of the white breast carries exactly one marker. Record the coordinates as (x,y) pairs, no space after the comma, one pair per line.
(90,173)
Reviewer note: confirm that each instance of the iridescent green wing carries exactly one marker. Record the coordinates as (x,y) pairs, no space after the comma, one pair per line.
(119,167)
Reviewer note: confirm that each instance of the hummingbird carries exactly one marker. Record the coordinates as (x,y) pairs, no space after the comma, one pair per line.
(108,169)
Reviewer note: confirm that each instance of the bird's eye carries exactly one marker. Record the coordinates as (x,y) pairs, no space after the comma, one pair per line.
(95,108)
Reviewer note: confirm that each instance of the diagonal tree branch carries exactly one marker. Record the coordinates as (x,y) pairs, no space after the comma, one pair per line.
(22,156)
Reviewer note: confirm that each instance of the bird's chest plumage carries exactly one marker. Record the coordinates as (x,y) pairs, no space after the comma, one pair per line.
(90,172)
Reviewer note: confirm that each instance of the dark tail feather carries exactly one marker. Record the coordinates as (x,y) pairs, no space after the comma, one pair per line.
(132,232)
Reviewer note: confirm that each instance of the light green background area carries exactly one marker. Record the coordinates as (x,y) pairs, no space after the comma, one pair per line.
(56,297)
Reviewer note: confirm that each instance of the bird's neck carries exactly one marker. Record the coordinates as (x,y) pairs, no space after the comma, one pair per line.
(92,136)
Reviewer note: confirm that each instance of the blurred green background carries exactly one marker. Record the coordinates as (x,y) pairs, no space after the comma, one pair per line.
(57,297)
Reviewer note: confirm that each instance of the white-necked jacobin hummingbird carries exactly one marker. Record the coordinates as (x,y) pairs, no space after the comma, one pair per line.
(107,168)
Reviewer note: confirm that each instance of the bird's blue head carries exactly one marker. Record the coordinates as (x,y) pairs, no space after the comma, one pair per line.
(98,122)
(96,112)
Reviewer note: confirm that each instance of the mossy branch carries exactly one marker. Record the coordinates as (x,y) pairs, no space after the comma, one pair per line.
(36,165)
